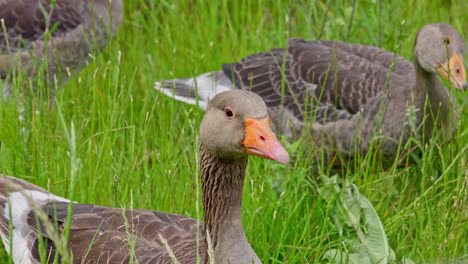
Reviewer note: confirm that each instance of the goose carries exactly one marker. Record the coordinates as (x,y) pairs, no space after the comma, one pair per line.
(77,28)
(339,91)
(235,125)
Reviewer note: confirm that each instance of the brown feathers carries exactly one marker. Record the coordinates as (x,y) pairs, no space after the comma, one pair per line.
(77,27)
(337,78)
(106,235)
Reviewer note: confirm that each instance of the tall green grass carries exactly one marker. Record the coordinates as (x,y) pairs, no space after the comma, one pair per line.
(136,145)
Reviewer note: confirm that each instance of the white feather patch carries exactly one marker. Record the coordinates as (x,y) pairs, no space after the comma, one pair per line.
(207,86)
(20,208)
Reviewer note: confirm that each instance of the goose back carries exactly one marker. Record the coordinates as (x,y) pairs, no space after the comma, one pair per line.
(77,29)
(98,234)
(340,78)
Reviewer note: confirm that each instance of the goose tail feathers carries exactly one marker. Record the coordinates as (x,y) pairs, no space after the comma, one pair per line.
(198,90)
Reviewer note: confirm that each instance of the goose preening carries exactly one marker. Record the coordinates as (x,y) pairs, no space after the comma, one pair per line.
(235,124)
(77,28)
(342,88)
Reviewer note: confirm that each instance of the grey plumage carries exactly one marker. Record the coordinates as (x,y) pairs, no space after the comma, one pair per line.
(107,224)
(81,26)
(340,91)
(223,160)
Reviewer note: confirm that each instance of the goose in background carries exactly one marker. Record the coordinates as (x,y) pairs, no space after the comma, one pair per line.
(78,28)
(339,91)
(235,124)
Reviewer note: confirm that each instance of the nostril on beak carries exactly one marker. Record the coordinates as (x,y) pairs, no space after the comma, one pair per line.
(262,138)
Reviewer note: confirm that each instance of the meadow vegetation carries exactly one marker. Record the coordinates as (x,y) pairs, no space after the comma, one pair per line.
(135,148)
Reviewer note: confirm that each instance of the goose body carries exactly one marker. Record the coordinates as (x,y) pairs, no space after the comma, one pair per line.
(235,125)
(78,27)
(337,90)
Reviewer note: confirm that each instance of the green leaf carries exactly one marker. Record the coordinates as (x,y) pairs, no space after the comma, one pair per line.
(370,244)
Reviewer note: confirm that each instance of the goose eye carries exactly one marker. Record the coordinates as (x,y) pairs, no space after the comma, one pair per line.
(447,40)
(229,113)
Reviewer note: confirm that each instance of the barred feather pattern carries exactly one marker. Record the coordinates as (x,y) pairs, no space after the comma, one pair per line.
(101,234)
(79,28)
(322,74)
(222,185)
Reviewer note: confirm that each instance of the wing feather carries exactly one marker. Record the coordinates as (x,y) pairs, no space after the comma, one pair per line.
(107,234)
(24,20)
(336,79)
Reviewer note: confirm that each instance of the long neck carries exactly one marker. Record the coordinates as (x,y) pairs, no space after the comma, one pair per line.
(440,101)
(430,83)
(222,186)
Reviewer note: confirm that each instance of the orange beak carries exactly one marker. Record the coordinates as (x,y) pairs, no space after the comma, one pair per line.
(454,72)
(261,141)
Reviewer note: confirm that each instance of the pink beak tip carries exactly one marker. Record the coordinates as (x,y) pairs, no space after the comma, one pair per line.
(280,154)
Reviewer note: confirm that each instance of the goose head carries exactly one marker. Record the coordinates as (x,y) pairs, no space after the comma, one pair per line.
(440,49)
(236,124)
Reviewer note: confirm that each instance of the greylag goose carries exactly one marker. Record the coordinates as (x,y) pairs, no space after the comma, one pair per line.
(77,28)
(344,85)
(235,124)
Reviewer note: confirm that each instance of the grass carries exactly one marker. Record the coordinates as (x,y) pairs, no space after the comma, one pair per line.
(136,147)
